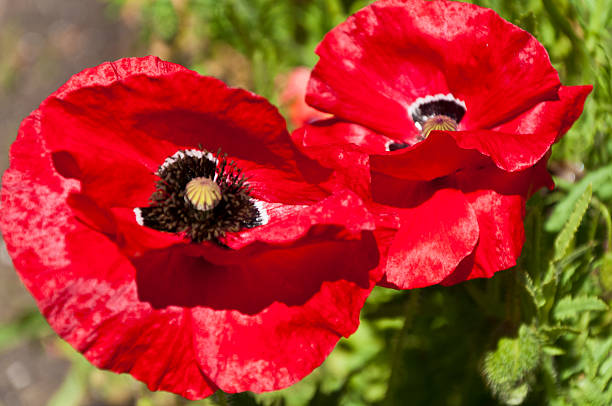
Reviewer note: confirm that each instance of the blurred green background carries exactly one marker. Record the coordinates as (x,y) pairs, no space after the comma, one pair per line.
(538,334)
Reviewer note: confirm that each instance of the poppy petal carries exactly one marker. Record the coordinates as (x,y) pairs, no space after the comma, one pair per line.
(287,223)
(123,124)
(339,146)
(500,221)
(509,151)
(445,152)
(337,132)
(394,52)
(436,156)
(554,117)
(434,238)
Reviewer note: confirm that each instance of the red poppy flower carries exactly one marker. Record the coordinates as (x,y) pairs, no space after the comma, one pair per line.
(188,269)
(293,96)
(444,114)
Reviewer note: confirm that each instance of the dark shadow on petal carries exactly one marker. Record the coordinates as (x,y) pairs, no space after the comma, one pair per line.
(524,183)
(402,193)
(312,170)
(191,129)
(251,279)
(66,165)
(91,214)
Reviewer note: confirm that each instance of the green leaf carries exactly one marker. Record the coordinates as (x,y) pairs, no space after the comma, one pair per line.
(534,292)
(569,307)
(549,291)
(508,367)
(589,394)
(554,332)
(564,208)
(605,213)
(605,271)
(566,235)
(553,351)
(599,349)
(574,267)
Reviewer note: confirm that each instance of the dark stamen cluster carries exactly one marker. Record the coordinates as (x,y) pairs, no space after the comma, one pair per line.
(170,211)
(443,107)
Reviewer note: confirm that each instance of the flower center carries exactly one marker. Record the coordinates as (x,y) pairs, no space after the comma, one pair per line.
(438,112)
(203,193)
(442,112)
(440,123)
(202,197)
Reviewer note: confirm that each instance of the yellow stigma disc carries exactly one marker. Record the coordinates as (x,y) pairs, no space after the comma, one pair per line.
(202,193)
(438,123)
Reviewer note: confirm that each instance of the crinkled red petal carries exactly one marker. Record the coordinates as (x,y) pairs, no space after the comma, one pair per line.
(393,52)
(524,183)
(288,223)
(551,117)
(500,222)
(434,237)
(109,72)
(333,131)
(115,130)
(260,325)
(509,151)
(498,199)
(279,185)
(436,156)
(340,147)
(445,152)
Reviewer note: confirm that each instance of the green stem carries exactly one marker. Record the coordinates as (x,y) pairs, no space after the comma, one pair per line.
(396,360)
(603,209)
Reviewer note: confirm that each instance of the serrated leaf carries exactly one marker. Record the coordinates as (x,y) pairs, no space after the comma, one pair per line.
(568,272)
(575,266)
(534,293)
(605,213)
(576,254)
(605,371)
(566,235)
(569,307)
(548,288)
(564,208)
(599,350)
(588,393)
(554,332)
